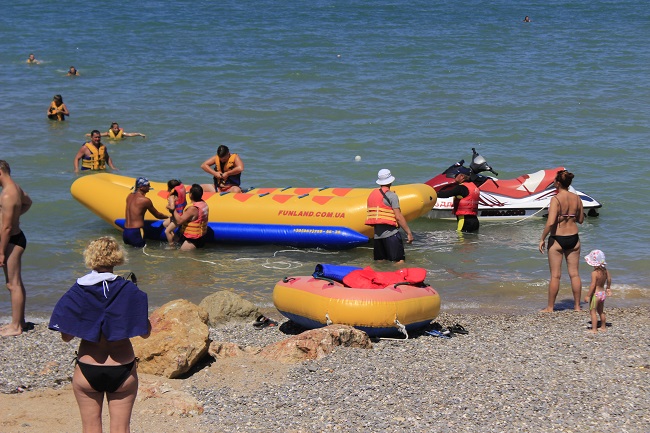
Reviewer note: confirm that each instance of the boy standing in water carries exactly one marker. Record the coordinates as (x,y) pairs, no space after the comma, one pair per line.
(13,203)
(600,288)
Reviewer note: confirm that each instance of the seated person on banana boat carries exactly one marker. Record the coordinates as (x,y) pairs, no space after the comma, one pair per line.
(226,174)
(93,155)
(117,133)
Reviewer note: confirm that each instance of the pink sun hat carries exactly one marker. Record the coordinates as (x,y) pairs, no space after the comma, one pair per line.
(596,258)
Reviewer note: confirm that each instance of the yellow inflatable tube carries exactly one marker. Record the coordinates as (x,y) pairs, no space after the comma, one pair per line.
(293,216)
(313,302)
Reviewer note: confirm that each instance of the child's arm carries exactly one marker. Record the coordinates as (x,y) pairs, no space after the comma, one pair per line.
(608,288)
(592,287)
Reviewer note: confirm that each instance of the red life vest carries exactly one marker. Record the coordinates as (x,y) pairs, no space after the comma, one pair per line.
(379,212)
(367,278)
(468,205)
(199,227)
(181,200)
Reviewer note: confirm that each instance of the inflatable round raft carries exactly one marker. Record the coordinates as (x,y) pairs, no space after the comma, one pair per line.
(312,302)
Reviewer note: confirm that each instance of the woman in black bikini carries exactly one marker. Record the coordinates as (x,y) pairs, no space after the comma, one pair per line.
(564,214)
(104,311)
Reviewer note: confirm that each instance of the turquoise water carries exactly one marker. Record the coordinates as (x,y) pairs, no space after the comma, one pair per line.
(299,89)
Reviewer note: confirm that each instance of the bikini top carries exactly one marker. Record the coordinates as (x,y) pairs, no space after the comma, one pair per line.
(566,215)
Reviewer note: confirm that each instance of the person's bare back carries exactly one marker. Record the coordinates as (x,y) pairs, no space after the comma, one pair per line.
(136,206)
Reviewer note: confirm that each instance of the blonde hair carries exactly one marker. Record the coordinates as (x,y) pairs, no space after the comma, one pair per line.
(104,252)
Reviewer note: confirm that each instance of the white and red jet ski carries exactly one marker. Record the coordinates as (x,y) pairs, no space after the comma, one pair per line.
(526,196)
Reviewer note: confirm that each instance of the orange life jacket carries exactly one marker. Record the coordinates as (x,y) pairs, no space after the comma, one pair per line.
(379,212)
(199,227)
(468,205)
(229,165)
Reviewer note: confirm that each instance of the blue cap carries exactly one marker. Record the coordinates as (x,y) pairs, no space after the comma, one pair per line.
(462,170)
(141,181)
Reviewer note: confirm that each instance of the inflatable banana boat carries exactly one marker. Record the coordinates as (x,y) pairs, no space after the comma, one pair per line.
(331,218)
(401,306)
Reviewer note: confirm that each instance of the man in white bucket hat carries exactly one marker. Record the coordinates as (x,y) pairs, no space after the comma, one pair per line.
(385,216)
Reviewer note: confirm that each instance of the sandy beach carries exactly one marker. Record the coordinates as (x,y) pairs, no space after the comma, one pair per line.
(535,372)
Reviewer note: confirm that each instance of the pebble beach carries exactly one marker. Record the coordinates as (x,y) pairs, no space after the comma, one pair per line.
(534,372)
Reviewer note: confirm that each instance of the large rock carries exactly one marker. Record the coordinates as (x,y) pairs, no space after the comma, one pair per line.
(225,306)
(179,338)
(315,344)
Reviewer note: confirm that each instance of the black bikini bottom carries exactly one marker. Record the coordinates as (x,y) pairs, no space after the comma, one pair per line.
(565,242)
(106,378)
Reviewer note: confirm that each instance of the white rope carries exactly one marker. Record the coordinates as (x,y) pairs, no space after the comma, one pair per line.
(180,257)
(401,328)
(268,264)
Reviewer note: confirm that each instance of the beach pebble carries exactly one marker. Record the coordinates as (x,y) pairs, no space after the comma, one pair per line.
(535,372)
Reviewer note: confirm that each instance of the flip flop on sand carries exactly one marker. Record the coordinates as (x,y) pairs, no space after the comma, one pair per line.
(458,329)
(435,333)
(264,322)
(437,327)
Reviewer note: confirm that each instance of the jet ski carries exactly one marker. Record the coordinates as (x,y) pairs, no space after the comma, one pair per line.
(526,196)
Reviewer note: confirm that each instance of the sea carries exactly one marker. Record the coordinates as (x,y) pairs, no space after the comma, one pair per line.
(298,90)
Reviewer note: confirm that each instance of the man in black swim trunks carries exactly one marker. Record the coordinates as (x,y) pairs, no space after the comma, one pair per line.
(13,203)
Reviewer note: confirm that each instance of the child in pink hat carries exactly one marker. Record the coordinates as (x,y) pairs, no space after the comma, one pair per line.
(600,288)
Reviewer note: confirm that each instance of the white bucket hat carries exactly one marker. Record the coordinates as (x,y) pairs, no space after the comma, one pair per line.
(595,258)
(384,177)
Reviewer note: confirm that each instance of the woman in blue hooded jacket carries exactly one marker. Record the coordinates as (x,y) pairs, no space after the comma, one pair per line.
(104,311)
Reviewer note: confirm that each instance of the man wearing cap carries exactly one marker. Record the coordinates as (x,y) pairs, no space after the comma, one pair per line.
(466,196)
(93,155)
(384,214)
(136,206)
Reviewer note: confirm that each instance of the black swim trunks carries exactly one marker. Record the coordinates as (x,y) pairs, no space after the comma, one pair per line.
(19,240)
(199,243)
(106,378)
(470,223)
(390,248)
(565,242)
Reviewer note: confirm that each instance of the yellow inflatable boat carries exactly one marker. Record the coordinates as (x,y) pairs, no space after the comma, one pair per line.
(313,302)
(330,218)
